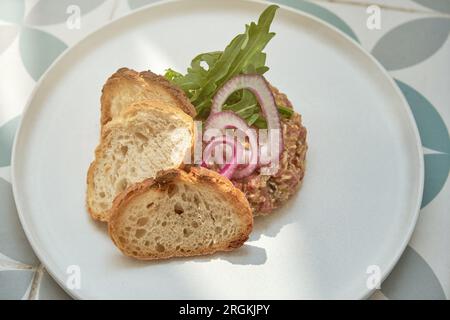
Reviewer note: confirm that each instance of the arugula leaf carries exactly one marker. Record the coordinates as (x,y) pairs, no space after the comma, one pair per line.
(172,74)
(260,122)
(285,111)
(251,120)
(242,56)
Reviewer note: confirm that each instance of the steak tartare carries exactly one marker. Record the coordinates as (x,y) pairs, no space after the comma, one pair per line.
(266,193)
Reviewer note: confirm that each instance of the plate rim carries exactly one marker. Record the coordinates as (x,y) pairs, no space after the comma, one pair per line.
(43,256)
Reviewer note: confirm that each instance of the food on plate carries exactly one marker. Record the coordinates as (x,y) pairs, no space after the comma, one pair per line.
(265,193)
(146,137)
(180,213)
(158,202)
(231,81)
(127,86)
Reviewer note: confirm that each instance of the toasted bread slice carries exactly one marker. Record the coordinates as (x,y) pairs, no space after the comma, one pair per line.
(180,214)
(145,138)
(127,86)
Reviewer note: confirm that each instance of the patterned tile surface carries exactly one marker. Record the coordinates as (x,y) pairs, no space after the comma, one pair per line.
(412,44)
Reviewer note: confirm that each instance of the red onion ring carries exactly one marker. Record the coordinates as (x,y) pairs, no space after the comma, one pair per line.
(227,169)
(259,86)
(228,119)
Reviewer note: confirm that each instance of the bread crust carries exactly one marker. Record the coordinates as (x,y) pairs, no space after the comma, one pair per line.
(128,112)
(194,175)
(144,79)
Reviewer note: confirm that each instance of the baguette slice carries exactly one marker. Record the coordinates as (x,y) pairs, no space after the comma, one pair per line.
(180,214)
(144,139)
(127,86)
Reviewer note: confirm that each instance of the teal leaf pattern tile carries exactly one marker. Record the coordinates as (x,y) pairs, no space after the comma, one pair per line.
(412,278)
(432,128)
(7,35)
(437,168)
(13,242)
(14,283)
(7,132)
(135,4)
(412,42)
(12,10)
(438,5)
(321,13)
(404,46)
(38,50)
(435,136)
(47,12)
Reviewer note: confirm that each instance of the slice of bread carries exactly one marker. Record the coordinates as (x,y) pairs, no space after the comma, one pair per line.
(146,137)
(127,86)
(179,214)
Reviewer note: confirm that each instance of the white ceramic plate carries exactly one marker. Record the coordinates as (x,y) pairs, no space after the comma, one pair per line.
(359,201)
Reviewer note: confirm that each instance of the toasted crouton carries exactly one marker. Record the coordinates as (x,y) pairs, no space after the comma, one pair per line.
(146,137)
(180,214)
(127,86)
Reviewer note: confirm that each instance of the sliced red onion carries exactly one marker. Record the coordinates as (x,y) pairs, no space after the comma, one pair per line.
(228,168)
(258,85)
(228,119)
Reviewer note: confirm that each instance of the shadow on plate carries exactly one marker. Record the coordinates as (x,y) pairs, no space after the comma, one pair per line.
(246,255)
(271,224)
